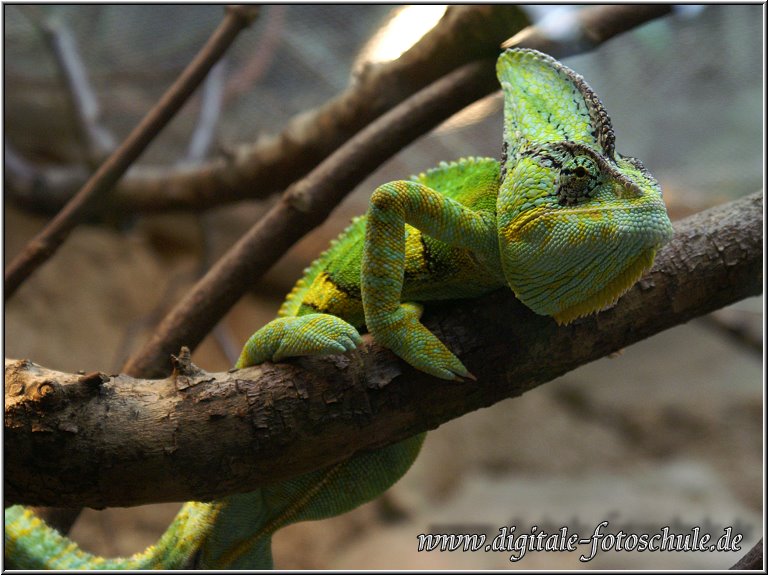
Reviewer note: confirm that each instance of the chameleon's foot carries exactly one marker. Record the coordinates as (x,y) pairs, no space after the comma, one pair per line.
(311,334)
(408,338)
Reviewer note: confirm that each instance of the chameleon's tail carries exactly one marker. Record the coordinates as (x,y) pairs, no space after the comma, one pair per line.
(31,544)
(231,533)
(242,535)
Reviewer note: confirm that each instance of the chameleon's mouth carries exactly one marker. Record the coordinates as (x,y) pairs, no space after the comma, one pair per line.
(645,219)
(631,203)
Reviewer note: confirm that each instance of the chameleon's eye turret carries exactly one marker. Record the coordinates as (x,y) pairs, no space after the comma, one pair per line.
(577,180)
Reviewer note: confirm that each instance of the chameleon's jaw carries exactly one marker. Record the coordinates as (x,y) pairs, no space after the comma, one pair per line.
(609,295)
(572,262)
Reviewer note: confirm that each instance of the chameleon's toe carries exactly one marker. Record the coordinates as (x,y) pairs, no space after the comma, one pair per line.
(442,365)
(317,334)
(349,342)
(413,342)
(311,334)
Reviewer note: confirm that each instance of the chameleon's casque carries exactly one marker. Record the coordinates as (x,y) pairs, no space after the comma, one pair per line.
(578,223)
(564,220)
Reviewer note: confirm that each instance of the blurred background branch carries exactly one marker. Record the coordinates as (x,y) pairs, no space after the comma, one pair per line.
(45,244)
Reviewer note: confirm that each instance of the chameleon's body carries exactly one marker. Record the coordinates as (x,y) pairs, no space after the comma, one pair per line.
(563,220)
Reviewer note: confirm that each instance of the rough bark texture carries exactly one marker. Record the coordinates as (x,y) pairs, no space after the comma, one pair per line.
(100,440)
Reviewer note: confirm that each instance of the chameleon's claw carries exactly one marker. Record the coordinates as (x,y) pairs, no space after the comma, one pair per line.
(443,373)
(405,335)
(348,343)
(350,339)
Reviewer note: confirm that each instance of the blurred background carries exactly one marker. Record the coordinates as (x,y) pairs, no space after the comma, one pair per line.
(669,431)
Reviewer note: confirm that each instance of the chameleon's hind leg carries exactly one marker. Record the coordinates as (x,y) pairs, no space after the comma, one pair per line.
(394,325)
(408,338)
(311,334)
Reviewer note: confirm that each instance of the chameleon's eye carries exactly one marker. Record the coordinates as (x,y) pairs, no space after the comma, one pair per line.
(578,178)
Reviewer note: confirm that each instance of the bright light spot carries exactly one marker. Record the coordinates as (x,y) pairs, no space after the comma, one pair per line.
(403,30)
(688,10)
(558,23)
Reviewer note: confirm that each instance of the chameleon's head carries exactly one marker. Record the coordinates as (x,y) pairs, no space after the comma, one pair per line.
(578,223)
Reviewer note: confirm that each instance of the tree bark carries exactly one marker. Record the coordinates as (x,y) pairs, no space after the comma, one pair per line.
(99,440)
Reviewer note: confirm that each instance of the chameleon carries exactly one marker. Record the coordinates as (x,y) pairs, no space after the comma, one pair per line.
(563,220)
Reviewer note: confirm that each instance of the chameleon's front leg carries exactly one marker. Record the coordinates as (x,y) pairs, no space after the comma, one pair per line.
(392,323)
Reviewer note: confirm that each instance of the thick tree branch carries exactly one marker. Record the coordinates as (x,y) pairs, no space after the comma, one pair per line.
(92,194)
(101,440)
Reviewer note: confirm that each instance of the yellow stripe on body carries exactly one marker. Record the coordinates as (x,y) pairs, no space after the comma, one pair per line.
(324,296)
(416,264)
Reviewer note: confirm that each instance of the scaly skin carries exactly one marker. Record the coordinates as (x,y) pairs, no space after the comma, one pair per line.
(563,220)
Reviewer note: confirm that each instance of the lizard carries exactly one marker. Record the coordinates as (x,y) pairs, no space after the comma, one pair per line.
(563,220)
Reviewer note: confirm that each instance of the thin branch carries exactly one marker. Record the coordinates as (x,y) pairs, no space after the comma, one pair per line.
(465,33)
(95,139)
(210,111)
(104,440)
(40,189)
(588,29)
(262,168)
(263,56)
(89,198)
(305,205)
(269,165)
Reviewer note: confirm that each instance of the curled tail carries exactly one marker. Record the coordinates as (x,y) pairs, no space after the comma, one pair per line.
(242,536)
(31,544)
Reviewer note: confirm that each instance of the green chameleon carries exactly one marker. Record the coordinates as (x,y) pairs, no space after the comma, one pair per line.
(563,220)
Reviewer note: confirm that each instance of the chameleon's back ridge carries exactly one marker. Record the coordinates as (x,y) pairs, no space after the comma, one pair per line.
(563,220)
